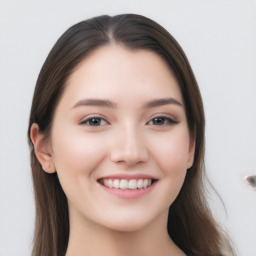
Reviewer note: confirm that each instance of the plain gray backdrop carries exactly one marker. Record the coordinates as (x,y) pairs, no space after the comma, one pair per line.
(219,38)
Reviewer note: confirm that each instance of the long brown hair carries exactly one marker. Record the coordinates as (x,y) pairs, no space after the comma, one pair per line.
(190,222)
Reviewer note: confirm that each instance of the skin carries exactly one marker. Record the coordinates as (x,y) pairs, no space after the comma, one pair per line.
(127,140)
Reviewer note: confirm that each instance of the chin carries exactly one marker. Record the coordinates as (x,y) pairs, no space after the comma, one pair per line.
(135,222)
(127,227)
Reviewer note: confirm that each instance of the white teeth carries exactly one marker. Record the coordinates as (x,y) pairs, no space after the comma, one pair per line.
(127,184)
(124,184)
(140,183)
(110,184)
(116,184)
(132,184)
(145,183)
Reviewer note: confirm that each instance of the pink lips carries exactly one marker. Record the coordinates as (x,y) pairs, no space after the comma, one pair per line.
(128,193)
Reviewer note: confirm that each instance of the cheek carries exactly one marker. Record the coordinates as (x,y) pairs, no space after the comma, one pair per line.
(171,158)
(76,153)
(171,152)
(76,156)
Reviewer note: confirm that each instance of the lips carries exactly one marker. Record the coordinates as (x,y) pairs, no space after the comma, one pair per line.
(128,187)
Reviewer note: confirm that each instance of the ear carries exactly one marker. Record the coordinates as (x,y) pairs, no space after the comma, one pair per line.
(42,148)
(191,152)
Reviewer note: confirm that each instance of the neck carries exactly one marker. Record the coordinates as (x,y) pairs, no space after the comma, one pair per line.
(91,239)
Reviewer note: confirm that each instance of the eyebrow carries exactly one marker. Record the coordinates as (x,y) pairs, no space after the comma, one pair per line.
(161,102)
(110,104)
(95,102)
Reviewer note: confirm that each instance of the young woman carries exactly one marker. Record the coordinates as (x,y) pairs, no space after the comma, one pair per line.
(117,144)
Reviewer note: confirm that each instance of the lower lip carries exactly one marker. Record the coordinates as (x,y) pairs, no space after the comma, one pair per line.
(129,193)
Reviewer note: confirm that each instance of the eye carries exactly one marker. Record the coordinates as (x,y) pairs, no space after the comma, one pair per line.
(94,121)
(162,120)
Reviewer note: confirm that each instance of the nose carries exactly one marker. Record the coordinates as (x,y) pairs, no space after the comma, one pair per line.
(129,147)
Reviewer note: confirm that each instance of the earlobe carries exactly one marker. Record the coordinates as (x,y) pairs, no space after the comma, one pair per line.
(42,149)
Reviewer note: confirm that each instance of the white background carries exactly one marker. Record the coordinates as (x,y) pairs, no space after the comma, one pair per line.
(219,38)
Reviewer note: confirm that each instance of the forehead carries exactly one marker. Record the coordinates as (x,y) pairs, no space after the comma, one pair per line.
(115,71)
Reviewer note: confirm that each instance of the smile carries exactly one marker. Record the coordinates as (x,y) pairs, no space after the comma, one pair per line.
(130,187)
(125,184)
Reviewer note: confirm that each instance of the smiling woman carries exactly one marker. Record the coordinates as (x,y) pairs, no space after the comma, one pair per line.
(117,141)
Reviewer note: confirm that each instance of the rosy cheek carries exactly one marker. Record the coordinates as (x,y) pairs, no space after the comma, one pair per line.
(171,154)
(77,153)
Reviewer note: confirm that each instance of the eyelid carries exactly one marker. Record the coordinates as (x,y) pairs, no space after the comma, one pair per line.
(91,116)
(170,118)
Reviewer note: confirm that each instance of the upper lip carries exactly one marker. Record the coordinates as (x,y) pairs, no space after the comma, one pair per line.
(128,177)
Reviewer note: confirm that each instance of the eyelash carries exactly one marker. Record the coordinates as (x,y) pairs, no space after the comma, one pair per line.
(167,121)
(86,121)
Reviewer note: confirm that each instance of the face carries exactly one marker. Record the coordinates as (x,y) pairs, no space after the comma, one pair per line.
(119,141)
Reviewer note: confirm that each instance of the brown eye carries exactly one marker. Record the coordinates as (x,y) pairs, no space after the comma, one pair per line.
(159,121)
(162,120)
(94,121)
